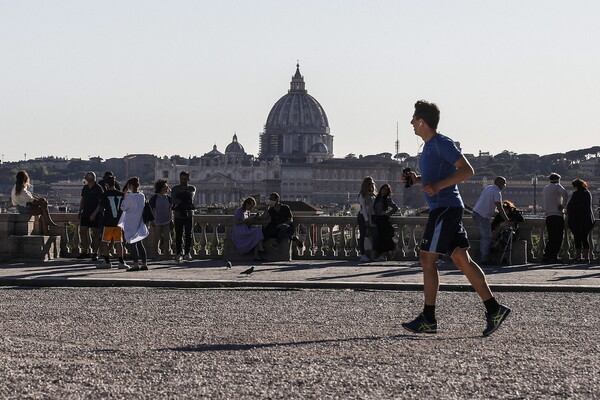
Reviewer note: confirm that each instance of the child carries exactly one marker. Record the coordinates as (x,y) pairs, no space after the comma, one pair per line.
(110,203)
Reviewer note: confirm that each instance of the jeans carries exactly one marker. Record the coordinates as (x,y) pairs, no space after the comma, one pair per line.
(137,251)
(555,226)
(162,236)
(183,226)
(485,231)
(283,232)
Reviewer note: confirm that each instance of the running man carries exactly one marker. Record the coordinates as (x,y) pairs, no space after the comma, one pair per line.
(442,167)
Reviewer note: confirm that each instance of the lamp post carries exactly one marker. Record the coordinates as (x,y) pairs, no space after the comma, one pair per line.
(534,182)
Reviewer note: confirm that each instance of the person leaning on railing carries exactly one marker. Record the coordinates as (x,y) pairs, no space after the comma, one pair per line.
(29,203)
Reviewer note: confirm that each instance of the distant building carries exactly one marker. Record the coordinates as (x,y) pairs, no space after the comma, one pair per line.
(295,159)
(590,167)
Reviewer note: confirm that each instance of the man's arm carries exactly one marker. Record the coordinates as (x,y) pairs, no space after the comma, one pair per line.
(502,212)
(563,195)
(96,211)
(80,208)
(464,171)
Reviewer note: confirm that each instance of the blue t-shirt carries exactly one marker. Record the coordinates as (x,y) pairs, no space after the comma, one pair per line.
(437,163)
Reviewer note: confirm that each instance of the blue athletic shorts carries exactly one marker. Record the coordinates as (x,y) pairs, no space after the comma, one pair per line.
(445,232)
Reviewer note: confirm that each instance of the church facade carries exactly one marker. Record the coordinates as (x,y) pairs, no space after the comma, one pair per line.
(295,159)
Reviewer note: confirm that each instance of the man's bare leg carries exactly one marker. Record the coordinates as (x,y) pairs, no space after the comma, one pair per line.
(431,279)
(473,272)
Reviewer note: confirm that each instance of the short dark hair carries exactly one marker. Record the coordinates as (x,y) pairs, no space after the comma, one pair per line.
(134,181)
(110,181)
(275,194)
(107,174)
(184,173)
(249,200)
(428,112)
(554,177)
(159,185)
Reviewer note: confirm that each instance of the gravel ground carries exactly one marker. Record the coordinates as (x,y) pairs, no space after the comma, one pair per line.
(318,344)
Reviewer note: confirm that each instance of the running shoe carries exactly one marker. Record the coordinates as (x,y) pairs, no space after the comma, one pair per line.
(188,257)
(494,320)
(364,258)
(178,258)
(122,265)
(420,325)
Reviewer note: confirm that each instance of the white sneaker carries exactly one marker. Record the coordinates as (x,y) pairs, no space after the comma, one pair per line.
(178,258)
(104,265)
(188,257)
(364,258)
(122,265)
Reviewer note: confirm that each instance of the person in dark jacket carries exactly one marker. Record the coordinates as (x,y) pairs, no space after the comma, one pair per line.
(580,219)
(280,225)
(383,208)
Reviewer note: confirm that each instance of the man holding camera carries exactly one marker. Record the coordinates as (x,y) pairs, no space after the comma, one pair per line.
(483,213)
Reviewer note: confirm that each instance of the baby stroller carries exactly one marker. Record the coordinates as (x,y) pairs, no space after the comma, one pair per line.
(503,243)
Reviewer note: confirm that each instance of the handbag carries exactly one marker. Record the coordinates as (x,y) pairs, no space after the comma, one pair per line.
(147,214)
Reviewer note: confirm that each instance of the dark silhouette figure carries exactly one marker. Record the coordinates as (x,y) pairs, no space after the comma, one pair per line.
(248,271)
(227,264)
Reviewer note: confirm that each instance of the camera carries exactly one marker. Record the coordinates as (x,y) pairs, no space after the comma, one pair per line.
(406,173)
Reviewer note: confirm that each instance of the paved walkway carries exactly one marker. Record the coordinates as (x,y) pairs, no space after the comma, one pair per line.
(323,274)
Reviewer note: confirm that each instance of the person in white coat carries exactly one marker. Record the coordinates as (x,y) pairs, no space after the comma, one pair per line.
(132,223)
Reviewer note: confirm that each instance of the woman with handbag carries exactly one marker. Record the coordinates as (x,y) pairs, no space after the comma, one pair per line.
(383,208)
(134,228)
(366,225)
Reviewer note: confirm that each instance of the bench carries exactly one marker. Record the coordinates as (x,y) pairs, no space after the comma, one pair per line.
(20,239)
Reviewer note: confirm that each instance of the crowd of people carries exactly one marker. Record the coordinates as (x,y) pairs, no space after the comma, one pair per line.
(109,216)
(124,215)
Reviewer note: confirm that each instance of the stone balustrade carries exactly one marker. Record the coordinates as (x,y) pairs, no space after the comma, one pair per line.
(334,238)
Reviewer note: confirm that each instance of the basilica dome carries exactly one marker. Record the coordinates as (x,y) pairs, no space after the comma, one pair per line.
(297,111)
(295,123)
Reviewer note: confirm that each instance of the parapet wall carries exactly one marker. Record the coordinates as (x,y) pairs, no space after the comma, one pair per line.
(324,238)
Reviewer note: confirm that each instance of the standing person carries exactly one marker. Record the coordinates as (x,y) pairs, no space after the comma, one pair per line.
(383,208)
(366,225)
(29,203)
(102,182)
(183,206)
(134,228)
(483,213)
(163,216)
(244,237)
(90,197)
(580,219)
(555,201)
(110,208)
(280,225)
(442,168)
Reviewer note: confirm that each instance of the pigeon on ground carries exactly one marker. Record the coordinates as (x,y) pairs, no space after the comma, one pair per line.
(227,264)
(248,271)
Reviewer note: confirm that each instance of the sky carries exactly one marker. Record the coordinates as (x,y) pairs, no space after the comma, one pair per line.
(108,78)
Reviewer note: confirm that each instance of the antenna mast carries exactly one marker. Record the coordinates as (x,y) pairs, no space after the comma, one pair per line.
(397,140)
